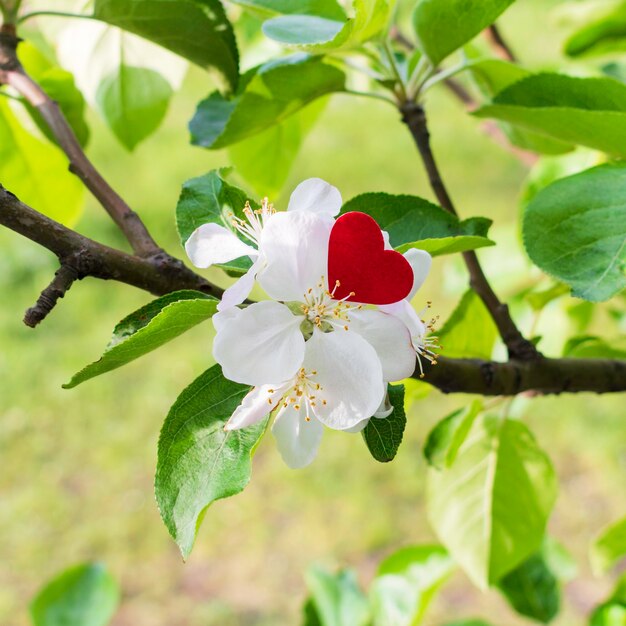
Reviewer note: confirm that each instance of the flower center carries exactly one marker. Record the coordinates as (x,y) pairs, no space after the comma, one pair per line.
(255,221)
(323,311)
(305,393)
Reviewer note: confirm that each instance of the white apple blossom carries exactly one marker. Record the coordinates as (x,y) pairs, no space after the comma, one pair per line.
(212,244)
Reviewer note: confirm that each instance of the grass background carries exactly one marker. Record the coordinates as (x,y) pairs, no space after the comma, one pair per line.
(77,466)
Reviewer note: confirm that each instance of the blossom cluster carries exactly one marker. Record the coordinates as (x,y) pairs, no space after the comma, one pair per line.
(337,326)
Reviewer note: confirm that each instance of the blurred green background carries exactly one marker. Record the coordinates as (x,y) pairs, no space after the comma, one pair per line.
(77,466)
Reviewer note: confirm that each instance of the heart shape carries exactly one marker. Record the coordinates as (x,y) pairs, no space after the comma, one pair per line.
(358,261)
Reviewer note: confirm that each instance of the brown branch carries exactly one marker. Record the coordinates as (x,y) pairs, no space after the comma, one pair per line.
(159,274)
(414,116)
(546,376)
(90,258)
(499,45)
(12,73)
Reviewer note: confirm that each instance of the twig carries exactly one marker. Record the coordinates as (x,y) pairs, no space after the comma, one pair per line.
(159,274)
(546,376)
(12,73)
(499,45)
(63,279)
(414,116)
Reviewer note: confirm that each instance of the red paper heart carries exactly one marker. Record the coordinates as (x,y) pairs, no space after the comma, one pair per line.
(358,261)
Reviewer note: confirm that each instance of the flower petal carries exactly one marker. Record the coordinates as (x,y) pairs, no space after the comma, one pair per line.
(254,407)
(391,339)
(409,317)
(211,243)
(420,262)
(297,439)
(317,196)
(295,248)
(261,344)
(240,290)
(350,377)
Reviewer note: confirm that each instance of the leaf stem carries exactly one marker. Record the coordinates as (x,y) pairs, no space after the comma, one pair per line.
(395,71)
(28,16)
(371,94)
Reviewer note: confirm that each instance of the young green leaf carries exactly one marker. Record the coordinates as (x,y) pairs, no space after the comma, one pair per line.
(444,441)
(197,30)
(575,230)
(532,589)
(413,222)
(488,527)
(319,34)
(609,547)
(337,598)
(148,328)
(133,101)
(613,611)
(198,461)
(590,347)
(36,171)
(265,160)
(586,111)
(85,595)
(470,332)
(383,436)
(443,26)
(268,95)
(604,31)
(209,198)
(469,622)
(406,584)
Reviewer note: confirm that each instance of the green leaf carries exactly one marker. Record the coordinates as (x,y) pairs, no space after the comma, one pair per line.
(413,222)
(268,95)
(590,347)
(197,30)
(444,441)
(470,332)
(532,589)
(133,101)
(609,547)
(209,198)
(198,461)
(383,436)
(85,595)
(319,34)
(575,230)
(309,614)
(469,622)
(586,111)
(329,9)
(493,76)
(60,86)
(337,598)
(443,26)
(406,584)
(36,171)
(604,31)
(488,526)
(265,160)
(148,328)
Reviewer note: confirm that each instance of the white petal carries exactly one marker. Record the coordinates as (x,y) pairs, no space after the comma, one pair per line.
(409,317)
(391,339)
(221,318)
(388,245)
(261,344)
(240,290)
(295,249)
(254,407)
(350,376)
(211,243)
(358,428)
(420,262)
(297,439)
(316,195)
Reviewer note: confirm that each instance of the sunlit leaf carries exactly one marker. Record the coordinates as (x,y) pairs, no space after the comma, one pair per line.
(609,547)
